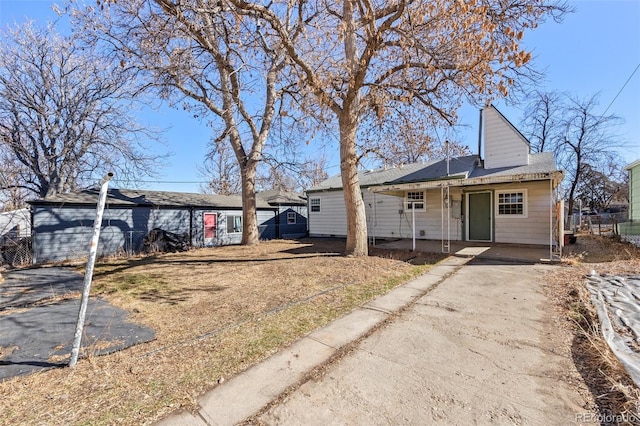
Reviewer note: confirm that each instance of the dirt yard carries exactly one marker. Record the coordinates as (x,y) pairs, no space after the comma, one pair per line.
(614,393)
(215,313)
(218,311)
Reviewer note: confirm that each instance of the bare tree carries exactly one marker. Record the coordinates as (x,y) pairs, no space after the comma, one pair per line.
(219,64)
(541,123)
(359,56)
(221,170)
(598,188)
(293,176)
(313,172)
(65,115)
(406,136)
(582,141)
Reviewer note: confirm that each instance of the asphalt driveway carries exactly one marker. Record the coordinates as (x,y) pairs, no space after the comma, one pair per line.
(38,315)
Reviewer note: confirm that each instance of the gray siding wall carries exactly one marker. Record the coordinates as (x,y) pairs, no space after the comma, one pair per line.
(294,230)
(65,233)
(62,233)
(266,226)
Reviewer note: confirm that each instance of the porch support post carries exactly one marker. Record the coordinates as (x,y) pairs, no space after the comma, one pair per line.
(375,218)
(413,226)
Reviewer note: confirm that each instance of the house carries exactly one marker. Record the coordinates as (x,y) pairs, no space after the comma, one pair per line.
(14,225)
(506,196)
(634,191)
(15,230)
(63,224)
(630,231)
(291,222)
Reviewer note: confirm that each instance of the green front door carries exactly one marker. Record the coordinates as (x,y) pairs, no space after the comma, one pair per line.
(479,216)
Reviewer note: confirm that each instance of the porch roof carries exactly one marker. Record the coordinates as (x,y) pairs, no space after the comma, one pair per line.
(462,171)
(556,177)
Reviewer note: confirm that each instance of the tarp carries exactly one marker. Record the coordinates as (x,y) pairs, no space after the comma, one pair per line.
(617,300)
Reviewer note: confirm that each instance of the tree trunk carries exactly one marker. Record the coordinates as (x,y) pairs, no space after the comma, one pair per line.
(348,119)
(250,235)
(356,216)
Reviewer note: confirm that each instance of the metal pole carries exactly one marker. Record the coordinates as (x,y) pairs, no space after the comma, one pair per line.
(413,225)
(88,275)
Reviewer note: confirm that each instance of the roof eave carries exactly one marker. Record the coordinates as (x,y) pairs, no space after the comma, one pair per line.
(555,176)
(632,165)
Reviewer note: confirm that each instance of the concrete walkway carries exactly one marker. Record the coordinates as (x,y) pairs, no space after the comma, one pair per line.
(470,348)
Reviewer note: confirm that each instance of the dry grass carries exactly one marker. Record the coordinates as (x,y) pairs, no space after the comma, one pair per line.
(215,312)
(615,394)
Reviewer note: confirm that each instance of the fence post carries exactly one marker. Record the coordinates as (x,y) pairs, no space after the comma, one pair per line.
(88,275)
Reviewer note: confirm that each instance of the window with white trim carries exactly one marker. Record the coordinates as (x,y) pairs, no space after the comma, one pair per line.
(234,224)
(511,203)
(314,203)
(291,218)
(414,200)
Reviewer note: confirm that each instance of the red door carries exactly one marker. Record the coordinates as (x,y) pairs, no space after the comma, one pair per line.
(209,228)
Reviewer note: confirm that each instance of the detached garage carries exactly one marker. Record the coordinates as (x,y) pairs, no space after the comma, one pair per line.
(63,224)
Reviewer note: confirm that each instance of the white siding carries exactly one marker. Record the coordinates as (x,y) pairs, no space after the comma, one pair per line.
(15,224)
(331,220)
(534,229)
(503,145)
(388,219)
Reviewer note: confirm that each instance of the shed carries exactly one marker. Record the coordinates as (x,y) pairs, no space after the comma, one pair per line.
(63,224)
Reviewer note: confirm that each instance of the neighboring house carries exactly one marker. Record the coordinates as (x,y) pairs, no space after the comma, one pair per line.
(630,231)
(15,230)
(506,197)
(14,225)
(634,191)
(63,224)
(291,222)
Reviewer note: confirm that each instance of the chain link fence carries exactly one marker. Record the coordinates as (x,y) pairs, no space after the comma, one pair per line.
(74,246)
(16,252)
(15,238)
(609,224)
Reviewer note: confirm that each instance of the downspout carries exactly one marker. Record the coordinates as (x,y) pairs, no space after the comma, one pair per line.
(278,219)
(33,237)
(191,226)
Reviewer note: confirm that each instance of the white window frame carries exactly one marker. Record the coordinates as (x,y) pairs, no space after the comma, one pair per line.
(231,217)
(291,218)
(314,203)
(417,204)
(525,202)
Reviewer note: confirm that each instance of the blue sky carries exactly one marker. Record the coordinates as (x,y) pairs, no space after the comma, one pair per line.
(595,50)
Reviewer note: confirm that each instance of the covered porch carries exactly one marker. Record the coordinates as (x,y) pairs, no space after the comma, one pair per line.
(519,253)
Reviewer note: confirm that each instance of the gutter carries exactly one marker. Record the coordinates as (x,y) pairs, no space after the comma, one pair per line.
(554,176)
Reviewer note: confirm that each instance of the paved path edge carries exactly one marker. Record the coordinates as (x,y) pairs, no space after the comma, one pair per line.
(250,392)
